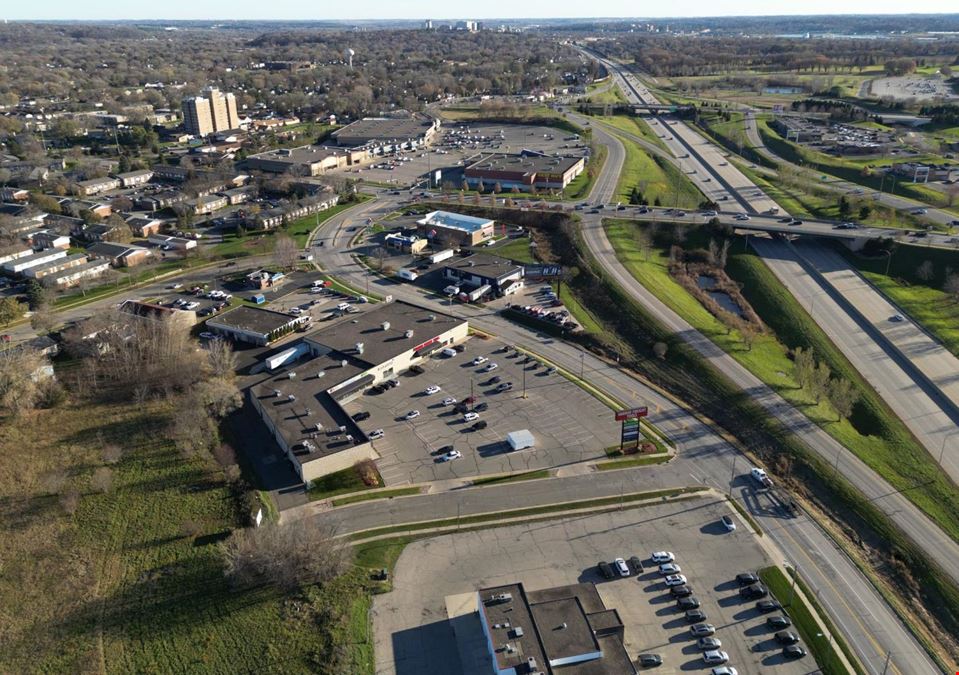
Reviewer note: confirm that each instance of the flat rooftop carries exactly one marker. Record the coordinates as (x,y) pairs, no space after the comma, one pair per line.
(484,265)
(503,618)
(384,129)
(454,221)
(304,154)
(379,346)
(524,163)
(252,319)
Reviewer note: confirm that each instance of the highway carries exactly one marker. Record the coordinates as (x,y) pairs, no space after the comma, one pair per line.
(704,457)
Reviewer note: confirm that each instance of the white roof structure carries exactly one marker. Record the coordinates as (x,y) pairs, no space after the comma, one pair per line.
(518,440)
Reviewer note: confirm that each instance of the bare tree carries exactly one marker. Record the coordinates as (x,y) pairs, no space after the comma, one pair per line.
(288,556)
(21,382)
(952,286)
(748,333)
(926,271)
(111,453)
(819,383)
(221,358)
(285,251)
(70,501)
(843,397)
(660,349)
(102,479)
(804,361)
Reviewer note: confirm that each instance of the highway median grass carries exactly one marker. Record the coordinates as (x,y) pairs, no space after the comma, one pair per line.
(630,462)
(657,179)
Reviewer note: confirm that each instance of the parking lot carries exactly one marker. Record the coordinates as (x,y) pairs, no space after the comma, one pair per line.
(457,145)
(413,636)
(568,424)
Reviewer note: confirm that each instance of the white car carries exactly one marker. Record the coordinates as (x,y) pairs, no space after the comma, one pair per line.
(190,306)
(432,389)
(295,311)
(480,360)
(724,670)
(741,216)
(663,557)
(669,568)
(451,455)
(448,352)
(470,417)
(175,287)
(375,434)
(621,567)
(449,400)
(490,368)
(714,656)
(412,414)
(676,580)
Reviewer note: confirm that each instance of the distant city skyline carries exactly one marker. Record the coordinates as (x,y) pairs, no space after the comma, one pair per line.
(286,10)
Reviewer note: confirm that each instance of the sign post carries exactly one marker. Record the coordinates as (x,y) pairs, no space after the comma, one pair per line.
(630,433)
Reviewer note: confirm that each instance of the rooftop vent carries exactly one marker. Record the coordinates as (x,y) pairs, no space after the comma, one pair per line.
(385,325)
(320,374)
(319,426)
(359,347)
(431,317)
(408,334)
(343,363)
(291,375)
(277,393)
(291,397)
(518,632)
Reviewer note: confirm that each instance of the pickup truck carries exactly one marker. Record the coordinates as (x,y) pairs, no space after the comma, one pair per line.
(760,477)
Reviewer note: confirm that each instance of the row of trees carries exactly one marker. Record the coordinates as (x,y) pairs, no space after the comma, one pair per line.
(816,377)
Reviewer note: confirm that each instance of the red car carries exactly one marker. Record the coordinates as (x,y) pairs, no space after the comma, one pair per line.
(469,399)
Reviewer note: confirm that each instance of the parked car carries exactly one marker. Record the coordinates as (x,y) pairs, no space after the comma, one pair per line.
(780,621)
(504,386)
(688,603)
(412,414)
(621,567)
(451,455)
(478,425)
(449,400)
(728,523)
(714,656)
(676,580)
(702,629)
(785,637)
(480,407)
(724,670)
(650,660)
(662,557)
(681,591)
(491,367)
(448,352)
(709,643)
(753,591)
(746,578)
(480,360)
(695,615)
(207,335)
(794,652)
(432,389)
(767,606)
(494,380)
(417,370)
(375,434)
(360,416)
(470,417)
(669,568)
(636,564)
(605,570)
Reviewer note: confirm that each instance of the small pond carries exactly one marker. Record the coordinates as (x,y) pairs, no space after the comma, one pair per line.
(723,299)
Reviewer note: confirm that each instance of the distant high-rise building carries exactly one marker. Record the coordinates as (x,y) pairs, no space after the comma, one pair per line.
(428,24)
(204,115)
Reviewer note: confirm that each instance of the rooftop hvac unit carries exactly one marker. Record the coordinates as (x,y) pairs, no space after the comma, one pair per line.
(501,597)
(349,438)
(320,374)
(408,334)
(509,649)
(308,412)
(342,429)
(291,375)
(291,397)
(531,663)
(518,632)
(431,317)
(343,363)
(277,393)
(359,347)
(385,325)
(319,426)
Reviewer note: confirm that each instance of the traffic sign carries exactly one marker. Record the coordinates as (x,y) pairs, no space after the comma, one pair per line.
(631,413)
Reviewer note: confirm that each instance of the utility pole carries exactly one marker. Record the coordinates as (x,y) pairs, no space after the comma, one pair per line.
(732,475)
(582,360)
(524,381)
(792,589)
(885,668)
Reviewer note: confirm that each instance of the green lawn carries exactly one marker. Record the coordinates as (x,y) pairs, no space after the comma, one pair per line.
(515,249)
(340,482)
(612,95)
(634,125)
(657,180)
(874,432)
(380,494)
(824,650)
(132,582)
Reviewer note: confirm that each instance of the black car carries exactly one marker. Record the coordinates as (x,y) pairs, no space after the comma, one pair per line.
(767,606)
(746,579)
(688,603)
(605,570)
(459,348)
(785,637)
(778,621)
(417,370)
(480,424)
(681,591)
(650,660)
(360,416)
(461,408)
(496,379)
(480,407)
(442,451)
(753,591)
(787,219)
(636,564)
(796,221)
(794,652)
(377,389)
(695,616)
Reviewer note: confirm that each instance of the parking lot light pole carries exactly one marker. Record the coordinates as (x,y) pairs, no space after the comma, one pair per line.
(524,381)
(582,359)
(792,589)
(732,475)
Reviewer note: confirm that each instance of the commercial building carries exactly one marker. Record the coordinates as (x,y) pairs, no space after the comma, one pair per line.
(301,400)
(454,229)
(406,243)
(923,173)
(501,275)
(387,134)
(566,630)
(261,280)
(306,160)
(212,112)
(524,171)
(253,325)
(151,312)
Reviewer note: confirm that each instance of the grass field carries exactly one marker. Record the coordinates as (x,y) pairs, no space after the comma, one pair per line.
(612,95)
(339,483)
(656,179)
(873,432)
(580,186)
(132,581)
(634,125)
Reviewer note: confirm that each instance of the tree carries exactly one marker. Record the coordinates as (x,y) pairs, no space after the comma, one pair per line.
(843,397)
(102,479)
(845,209)
(804,362)
(10,310)
(819,382)
(285,251)
(952,286)
(21,388)
(926,271)
(748,333)
(288,556)
(864,212)
(660,349)
(221,358)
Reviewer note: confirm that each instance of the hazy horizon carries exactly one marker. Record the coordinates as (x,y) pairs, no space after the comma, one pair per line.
(287,10)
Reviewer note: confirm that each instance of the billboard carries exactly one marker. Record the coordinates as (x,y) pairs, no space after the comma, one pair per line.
(542,270)
(631,413)
(630,432)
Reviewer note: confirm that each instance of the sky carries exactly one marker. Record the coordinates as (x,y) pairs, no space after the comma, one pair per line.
(422,9)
